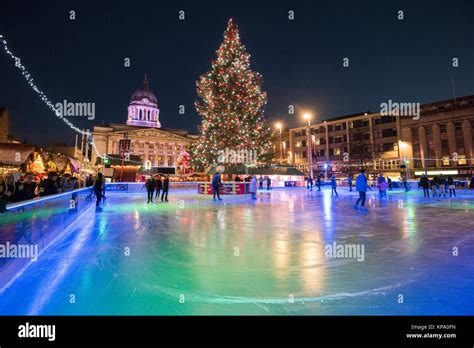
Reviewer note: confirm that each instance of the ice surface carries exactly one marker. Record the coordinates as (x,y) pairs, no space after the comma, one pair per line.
(238,256)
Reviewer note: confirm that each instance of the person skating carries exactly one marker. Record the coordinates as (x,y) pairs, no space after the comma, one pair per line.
(318,183)
(253,187)
(425,185)
(405,183)
(309,184)
(333,186)
(382,184)
(260,182)
(166,186)
(451,186)
(158,186)
(361,187)
(390,185)
(443,185)
(216,183)
(150,188)
(434,186)
(98,189)
(269,183)
(349,182)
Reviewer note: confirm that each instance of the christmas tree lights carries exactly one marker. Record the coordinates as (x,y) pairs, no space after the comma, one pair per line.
(232,105)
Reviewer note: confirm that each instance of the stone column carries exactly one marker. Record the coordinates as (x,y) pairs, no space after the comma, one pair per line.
(348,141)
(423,146)
(292,148)
(467,134)
(437,145)
(452,139)
(372,149)
(327,141)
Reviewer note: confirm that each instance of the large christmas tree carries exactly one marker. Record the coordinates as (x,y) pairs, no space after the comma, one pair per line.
(232,105)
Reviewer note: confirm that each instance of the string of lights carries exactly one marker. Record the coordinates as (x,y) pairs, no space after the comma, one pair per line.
(29,79)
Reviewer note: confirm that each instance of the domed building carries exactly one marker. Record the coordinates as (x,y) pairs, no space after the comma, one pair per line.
(143,109)
(153,149)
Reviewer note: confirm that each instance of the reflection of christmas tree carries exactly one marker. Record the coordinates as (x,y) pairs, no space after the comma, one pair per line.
(232,105)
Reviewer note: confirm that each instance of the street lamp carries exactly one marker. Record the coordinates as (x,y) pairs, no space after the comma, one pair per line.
(279,126)
(310,146)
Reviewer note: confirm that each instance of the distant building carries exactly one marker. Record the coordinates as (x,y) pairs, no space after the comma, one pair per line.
(4,125)
(440,140)
(152,144)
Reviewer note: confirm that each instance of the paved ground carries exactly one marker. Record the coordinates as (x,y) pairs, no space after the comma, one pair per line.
(269,256)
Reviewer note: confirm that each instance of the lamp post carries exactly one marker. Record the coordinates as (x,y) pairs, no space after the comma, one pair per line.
(310,146)
(279,126)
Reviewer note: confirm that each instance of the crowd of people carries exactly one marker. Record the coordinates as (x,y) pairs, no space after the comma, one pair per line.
(17,187)
(155,185)
(439,185)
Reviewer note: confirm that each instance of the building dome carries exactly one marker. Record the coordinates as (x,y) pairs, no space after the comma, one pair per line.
(144,92)
(143,109)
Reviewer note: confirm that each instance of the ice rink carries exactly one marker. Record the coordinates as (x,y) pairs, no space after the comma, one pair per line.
(269,256)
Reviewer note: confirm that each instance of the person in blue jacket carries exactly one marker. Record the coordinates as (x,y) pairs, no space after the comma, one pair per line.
(216,182)
(361,187)
(333,186)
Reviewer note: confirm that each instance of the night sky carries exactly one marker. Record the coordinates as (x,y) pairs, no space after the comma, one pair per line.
(300,60)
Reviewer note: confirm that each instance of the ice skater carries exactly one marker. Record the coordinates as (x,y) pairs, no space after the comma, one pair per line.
(425,184)
(98,189)
(451,186)
(434,186)
(382,184)
(260,182)
(216,183)
(443,185)
(253,187)
(309,184)
(158,186)
(150,188)
(318,182)
(166,186)
(269,183)
(361,187)
(349,182)
(333,186)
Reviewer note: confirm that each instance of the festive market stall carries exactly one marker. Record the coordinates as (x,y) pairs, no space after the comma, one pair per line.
(16,158)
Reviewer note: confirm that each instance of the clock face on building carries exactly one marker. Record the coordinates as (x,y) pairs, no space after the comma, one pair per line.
(145,100)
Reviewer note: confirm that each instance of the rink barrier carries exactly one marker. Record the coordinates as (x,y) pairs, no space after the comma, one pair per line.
(35,224)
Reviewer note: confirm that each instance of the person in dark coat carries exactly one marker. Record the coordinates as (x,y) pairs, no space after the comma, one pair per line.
(25,189)
(166,186)
(349,182)
(318,182)
(451,186)
(98,189)
(216,183)
(150,188)
(158,186)
(425,184)
(49,185)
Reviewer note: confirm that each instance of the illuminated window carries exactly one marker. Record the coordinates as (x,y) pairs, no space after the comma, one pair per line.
(445,161)
(462,160)
(336,152)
